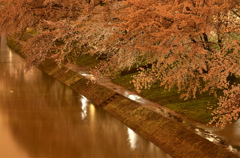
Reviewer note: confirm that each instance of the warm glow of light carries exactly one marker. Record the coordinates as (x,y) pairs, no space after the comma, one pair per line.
(211,139)
(92,116)
(230,148)
(89,76)
(10,55)
(92,110)
(209,136)
(84,74)
(84,102)
(133,97)
(198,131)
(132,138)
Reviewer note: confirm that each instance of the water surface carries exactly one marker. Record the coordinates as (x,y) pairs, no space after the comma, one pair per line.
(41,117)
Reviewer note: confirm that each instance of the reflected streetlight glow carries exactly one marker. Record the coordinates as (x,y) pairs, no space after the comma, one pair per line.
(132,138)
(84,102)
(10,55)
(92,111)
(92,116)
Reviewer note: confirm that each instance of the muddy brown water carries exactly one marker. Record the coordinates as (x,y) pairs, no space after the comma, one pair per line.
(41,117)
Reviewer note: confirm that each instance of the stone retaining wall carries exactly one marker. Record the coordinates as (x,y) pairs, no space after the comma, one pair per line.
(170,136)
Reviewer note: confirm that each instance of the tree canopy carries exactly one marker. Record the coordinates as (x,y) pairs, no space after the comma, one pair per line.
(190,44)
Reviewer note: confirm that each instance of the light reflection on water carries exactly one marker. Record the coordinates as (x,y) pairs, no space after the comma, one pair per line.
(132,137)
(44,118)
(10,56)
(84,102)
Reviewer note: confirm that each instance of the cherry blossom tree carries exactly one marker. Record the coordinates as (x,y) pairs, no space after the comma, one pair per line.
(191,44)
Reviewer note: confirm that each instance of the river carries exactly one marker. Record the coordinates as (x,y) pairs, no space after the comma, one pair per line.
(41,117)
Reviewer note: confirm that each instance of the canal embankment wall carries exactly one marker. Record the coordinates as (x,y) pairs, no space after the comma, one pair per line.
(170,136)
